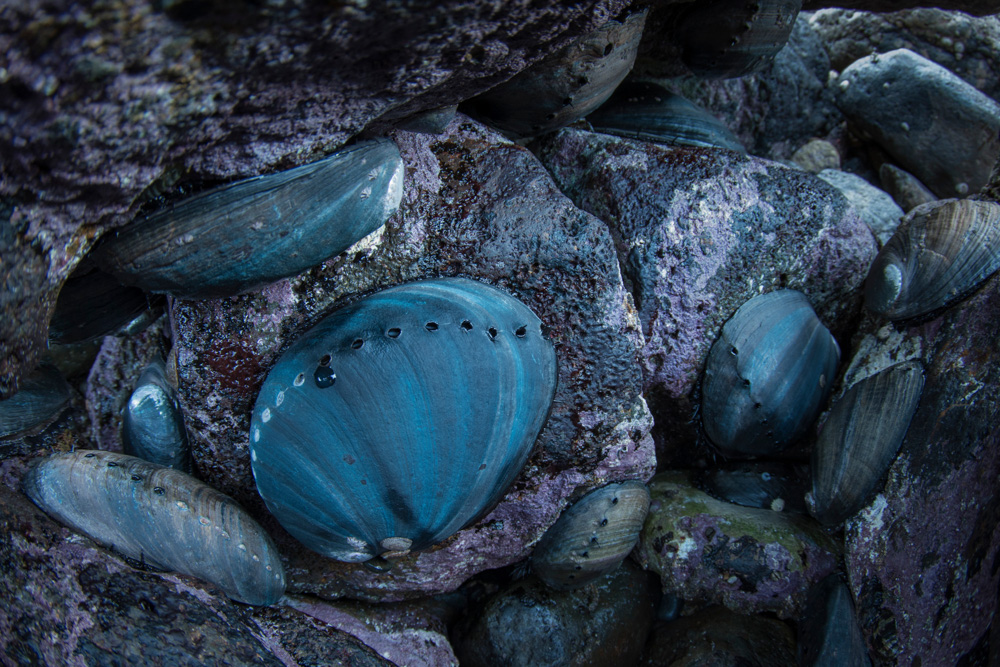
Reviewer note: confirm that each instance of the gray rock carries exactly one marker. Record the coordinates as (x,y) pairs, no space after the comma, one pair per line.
(816,156)
(698,233)
(876,207)
(905,188)
(975,7)
(930,121)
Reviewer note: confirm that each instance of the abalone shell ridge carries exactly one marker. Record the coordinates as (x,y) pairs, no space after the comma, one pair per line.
(441,388)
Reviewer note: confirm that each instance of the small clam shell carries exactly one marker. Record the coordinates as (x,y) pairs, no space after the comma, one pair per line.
(593,536)
(43,395)
(153,427)
(162,517)
(767,375)
(649,112)
(860,440)
(776,486)
(567,85)
(250,233)
(829,634)
(940,253)
(728,38)
(95,304)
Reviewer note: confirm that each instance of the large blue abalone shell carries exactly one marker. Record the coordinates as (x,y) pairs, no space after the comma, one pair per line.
(401,418)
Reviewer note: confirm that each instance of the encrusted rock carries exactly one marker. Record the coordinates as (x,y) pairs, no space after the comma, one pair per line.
(876,207)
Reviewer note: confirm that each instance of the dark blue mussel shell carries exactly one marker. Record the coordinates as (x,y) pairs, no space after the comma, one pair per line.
(153,427)
(401,418)
(246,234)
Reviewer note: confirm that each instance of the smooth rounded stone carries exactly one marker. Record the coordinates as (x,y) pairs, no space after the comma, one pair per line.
(42,397)
(829,635)
(905,188)
(876,207)
(765,485)
(260,90)
(700,232)
(70,602)
(817,155)
(966,45)
(153,428)
(528,623)
(920,557)
(749,560)
(97,304)
(717,636)
(934,124)
(478,206)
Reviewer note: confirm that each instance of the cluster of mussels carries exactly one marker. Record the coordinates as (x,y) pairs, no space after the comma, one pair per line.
(364,492)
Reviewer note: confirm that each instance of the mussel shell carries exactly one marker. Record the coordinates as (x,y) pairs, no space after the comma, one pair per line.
(42,396)
(829,634)
(153,425)
(777,486)
(565,86)
(593,536)
(162,517)
(250,233)
(767,375)
(95,304)
(402,417)
(860,440)
(730,38)
(940,253)
(646,111)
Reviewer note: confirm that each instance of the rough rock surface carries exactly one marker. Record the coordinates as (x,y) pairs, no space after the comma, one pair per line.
(603,624)
(922,558)
(701,231)
(975,7)
(474,205)
(69,602)
(103,105)
(750,560)
(876,207)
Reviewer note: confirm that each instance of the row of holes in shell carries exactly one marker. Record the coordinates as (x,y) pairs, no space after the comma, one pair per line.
(746,383)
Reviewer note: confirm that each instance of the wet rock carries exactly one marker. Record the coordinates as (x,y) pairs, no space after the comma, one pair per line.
(750,560)
(527,623)
(104,110)
(967,46)
(876,207)
(922,557)
(934,124)
(478,206)
(975,7)
(816,156)
(905,188)
(717,636)
(68,602)
(701,231)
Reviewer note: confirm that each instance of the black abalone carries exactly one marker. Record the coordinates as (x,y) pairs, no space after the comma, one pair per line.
(153,427)
(401,418)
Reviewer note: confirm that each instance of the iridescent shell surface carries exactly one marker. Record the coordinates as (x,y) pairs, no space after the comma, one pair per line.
(860,440)
(767,375)
(771,485)
(567,85)
(162,517)
(402,417)
(593,536)
(42,396)
(648,112)
(250,233)
(153,427)
(939,254)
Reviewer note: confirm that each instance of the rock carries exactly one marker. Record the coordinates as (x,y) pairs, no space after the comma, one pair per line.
(975,7)
(930,121)
(104,110)
(474,205)
(829,634)
(701,231)
(750,560)
(816,156)
(965,45)
(68,602)
(876,207)
(602,624)
(921,558)
(717,636)
(904,187)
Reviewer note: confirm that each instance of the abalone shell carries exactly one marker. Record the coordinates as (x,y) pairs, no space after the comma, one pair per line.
(162,517)
(402,417)
(93,303)
(41,398)
(153,427)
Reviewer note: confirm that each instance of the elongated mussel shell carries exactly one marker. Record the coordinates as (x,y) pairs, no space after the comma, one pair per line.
(153,427)
(95,304)
(860,440)
(401,418)
(646,111)
(42,396)
(253,232)
(162,517)
(767,375)
(567,85)
(829,634)
(771,485)
(939,254)
(593,536)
